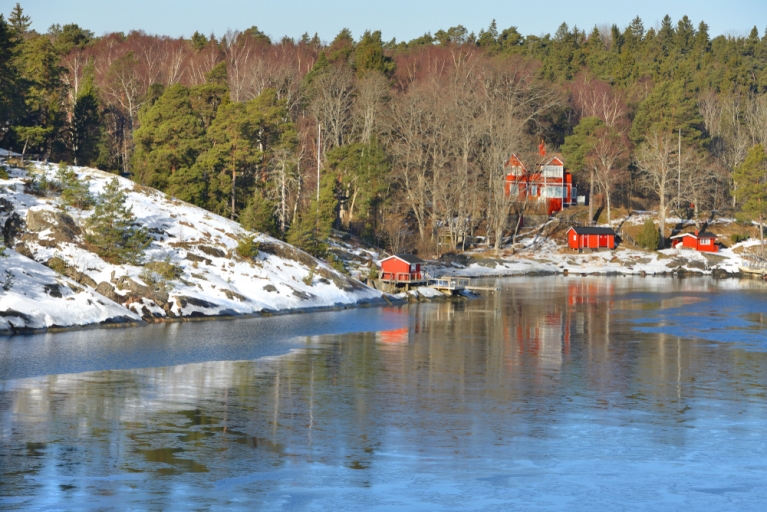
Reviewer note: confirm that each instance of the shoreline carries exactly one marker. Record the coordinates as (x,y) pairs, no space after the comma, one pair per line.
(385,300)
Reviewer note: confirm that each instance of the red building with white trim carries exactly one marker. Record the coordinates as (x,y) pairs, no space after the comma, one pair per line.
(593,238)
(402,268)
(550,183)
(705,242)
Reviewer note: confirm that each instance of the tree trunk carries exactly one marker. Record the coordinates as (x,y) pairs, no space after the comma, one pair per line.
(591,196)
(662,221)
(761,234)
(607,200)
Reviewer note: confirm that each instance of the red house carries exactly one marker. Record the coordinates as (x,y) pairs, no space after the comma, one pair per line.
(550,183)
(402,268)
(590,238)
(705,242)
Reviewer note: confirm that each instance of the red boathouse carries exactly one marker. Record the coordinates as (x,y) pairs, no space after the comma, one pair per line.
(590,238)
(705,242)
(402,268)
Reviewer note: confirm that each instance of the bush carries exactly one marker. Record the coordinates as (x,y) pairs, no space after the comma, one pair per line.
(247,247)
(74,192)
(3,173)
(159,275)
(649,237)
(309,278)
(337,263)
(738,237)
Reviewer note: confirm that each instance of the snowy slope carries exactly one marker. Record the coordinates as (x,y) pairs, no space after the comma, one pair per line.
(214,279)
(41,299)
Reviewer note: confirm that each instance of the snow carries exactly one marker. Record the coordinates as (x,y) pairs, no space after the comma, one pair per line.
(214,281)
(41,299)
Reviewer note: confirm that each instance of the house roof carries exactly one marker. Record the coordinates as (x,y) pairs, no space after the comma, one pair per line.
(698,236)
(583,230)
(407,258)
(555,160)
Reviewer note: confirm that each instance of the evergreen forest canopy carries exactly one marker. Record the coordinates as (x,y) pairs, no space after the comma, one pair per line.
(411,137)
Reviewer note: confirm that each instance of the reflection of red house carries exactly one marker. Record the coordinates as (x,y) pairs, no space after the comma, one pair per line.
(402,268)
(550,183)
(590,238)
(705,242)
(396,336)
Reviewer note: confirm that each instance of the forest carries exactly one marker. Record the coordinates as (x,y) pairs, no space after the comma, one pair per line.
(400,143)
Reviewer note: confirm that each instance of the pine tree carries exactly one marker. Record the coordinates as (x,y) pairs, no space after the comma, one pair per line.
(19,22)
(750,189)
(111,229)
(11,85)
(74,192)
(169,139)
(258,215)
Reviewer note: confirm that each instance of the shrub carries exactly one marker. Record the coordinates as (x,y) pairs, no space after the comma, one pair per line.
(3,173)
(649,237)
(738,237)
(309,278)
(247,247)
(337,263)
(159,275)
(74,192)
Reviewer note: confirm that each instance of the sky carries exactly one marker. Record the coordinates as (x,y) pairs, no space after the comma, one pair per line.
(401,19)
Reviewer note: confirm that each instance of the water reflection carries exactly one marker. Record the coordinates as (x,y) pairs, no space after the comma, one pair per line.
(555,393)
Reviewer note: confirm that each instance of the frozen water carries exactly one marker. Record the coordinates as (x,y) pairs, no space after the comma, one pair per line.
(554,393)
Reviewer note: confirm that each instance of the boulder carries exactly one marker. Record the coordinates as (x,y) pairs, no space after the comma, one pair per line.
(13,229)
(63,228)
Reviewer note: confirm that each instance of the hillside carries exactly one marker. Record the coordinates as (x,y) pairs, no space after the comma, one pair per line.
(191,268)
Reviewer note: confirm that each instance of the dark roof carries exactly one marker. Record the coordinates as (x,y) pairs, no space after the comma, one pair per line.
(698,236)
(583,230)
(409,258)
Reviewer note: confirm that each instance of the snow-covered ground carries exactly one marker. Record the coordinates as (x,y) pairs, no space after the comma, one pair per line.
(214,280)
(546,257)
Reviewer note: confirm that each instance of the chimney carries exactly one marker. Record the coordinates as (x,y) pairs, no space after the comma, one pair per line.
(696,232)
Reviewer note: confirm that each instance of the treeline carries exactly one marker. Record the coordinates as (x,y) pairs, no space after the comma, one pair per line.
(408,139)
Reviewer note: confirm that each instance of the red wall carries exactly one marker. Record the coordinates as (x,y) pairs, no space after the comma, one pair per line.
(575,241)
(395,266)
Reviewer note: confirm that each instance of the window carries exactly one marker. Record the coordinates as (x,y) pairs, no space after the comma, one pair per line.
(706,241)
(552,192)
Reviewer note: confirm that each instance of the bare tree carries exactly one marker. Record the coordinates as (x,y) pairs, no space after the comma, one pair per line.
(372,93)
(331,104)
(608,159)
(732,124)
(657,160)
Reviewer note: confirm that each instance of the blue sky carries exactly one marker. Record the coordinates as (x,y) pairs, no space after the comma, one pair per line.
(403,19)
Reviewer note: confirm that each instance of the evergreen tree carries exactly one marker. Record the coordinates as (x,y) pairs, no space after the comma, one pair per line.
(258,215)
(169,139)
(750,189)
(11,85)
(313,227)
(74,192)
(369,55)
(111,229)
(19,22)
(668,108)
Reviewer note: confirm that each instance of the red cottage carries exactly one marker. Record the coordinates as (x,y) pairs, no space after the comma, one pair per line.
(590,238)
(550,183)
(402,268)
(705,242)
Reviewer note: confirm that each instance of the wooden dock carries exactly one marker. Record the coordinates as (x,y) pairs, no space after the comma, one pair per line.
(457,284)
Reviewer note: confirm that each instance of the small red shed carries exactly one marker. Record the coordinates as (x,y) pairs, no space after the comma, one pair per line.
(705,242)
(404,268)
(590,238)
